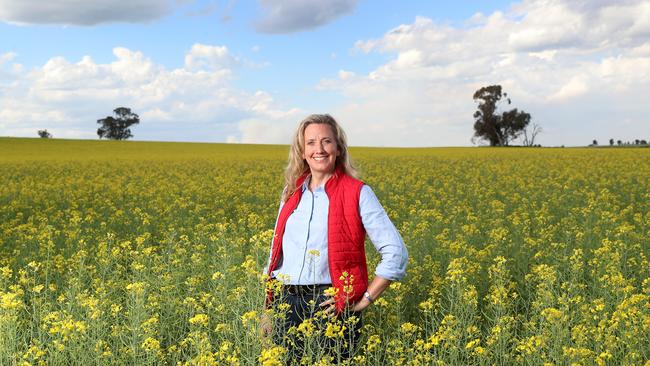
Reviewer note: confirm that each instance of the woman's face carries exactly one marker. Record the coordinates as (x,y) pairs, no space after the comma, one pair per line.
(321,148)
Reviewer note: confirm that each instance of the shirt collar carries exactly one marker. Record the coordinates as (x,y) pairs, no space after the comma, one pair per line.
(305,185)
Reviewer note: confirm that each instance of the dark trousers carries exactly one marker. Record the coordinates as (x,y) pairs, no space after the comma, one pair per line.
(319,336)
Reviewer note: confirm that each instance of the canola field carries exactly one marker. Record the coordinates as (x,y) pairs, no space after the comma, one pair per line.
(141,253)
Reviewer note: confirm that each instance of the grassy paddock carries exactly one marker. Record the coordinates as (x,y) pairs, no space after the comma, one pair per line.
(151,253)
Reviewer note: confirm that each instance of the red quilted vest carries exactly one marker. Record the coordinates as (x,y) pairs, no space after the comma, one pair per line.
(345,237)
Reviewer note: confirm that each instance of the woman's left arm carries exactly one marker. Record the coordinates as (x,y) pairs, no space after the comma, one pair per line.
(375,288)
(387,241)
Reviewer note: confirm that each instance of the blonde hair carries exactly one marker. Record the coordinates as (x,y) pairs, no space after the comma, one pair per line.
(297,166)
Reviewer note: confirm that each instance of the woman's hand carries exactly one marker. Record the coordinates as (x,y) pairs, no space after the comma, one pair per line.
(266,325)
(376,287)
(329,306)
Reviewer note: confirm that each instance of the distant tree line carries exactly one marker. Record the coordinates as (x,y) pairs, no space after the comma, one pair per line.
(636,142)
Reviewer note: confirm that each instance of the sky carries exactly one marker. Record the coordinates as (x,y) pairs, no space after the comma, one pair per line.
(392,73)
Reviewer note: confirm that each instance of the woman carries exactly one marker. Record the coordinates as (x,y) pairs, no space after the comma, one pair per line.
(320,231)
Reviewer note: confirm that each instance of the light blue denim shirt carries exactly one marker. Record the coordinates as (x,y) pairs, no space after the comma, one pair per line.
(305,239)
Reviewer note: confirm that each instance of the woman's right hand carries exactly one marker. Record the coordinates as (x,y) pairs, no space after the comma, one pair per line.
(266,325)
(329,306)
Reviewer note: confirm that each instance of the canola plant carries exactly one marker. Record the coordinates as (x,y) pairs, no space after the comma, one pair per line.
(152,253)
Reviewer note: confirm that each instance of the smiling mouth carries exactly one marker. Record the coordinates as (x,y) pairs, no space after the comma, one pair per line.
(320,158)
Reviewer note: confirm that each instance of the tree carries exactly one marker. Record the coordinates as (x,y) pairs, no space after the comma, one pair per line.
(117,128)
(619,142)
(497,129)
(611,142)
(595,143)
(534,131)
(44,134)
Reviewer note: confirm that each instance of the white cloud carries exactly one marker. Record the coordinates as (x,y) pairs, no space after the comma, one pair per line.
(573,65)
(256,130)
(546,55)
(575,87)
(209,57)
(288,16)
(642,50)
(6,57)
(196,102)
(270,124)
(546,25)
(345,75)
(582,24)
(82,12)
(581,68)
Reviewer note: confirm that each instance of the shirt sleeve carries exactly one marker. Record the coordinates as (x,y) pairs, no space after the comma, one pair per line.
(384,237)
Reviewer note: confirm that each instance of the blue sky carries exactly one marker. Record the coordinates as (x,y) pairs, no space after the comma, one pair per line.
(394,74)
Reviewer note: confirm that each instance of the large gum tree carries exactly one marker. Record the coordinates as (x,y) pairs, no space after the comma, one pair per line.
(117,127)
(497,129)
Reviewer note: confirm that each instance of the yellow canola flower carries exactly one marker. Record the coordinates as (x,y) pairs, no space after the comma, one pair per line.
(334,330)
(151,344)
(373,343)
(103,349)
(472,344)
(136,288)
(10,300)
(199,319)
(344,276)
(272,356)
(331,291)
(426,305)
(5,272)
(249,317)
(307,327)
(35,352)
(183,227)
(409,328)
(381,302)
(553,315)
(221,327)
